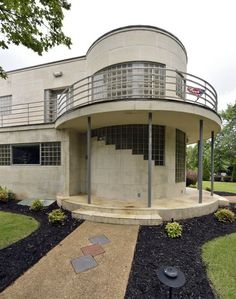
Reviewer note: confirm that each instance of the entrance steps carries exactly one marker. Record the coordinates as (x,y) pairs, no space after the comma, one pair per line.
(117,218)
(136,212)
(115,215)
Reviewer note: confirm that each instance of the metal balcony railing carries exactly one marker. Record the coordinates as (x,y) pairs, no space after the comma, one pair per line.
(130,81)
(138,84)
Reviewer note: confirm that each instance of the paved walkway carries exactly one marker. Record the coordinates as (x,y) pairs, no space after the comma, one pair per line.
(54,278)
(232,199)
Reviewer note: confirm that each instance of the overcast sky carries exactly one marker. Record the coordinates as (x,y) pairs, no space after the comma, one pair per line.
(205,27)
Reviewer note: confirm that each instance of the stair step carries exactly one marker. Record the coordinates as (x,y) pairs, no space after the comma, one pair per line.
(71,206)
(117,218)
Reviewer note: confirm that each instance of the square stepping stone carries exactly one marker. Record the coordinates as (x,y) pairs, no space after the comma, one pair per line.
(83,263)
(93,250)
(102,239)
(28,202)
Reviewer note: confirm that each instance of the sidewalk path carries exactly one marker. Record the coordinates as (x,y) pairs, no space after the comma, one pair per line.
(54,278)
(232,199)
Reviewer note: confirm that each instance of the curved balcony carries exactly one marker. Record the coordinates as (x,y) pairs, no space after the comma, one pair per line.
(138,81)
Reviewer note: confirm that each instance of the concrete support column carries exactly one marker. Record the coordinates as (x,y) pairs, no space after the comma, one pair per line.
(89,159)
(200,161)
(198,145)
(212,162)
(149,160)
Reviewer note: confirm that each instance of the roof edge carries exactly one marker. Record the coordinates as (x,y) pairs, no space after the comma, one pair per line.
(138,27)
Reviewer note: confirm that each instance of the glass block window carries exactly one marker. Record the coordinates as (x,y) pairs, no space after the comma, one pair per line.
(5,154)
(135,137)
(180,85)
(180,155)
(5,105)
(130,80)
(26,154)
(51,153)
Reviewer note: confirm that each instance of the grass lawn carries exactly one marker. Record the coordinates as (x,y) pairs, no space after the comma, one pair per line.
(221,186)
(219,256)
(14,227)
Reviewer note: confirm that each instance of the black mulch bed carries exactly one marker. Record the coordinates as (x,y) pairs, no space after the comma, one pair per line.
(221,193)
(18,257)
(154,250)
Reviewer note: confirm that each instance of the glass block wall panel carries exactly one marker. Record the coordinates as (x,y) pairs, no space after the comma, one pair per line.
(51,153)
(5,154)
(180,85)
(135,137)
(130,80)
(180,156)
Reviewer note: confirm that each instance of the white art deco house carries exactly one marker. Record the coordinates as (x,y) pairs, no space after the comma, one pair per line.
(108,127)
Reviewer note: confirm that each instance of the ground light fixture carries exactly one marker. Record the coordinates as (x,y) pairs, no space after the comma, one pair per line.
(171,277)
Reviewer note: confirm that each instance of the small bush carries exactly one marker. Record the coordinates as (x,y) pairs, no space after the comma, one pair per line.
(37,205)
(56,216)
(208,189)
(227,178)
(225,215)
(173,229)
(6,194)
(217,178)
(191,178)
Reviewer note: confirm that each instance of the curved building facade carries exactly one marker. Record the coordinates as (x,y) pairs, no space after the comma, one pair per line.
(113,124)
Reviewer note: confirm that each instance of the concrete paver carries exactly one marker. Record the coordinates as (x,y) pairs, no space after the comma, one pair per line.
(54,278)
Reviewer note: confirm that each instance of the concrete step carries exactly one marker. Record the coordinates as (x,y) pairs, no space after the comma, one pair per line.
(117,218)
(72,205)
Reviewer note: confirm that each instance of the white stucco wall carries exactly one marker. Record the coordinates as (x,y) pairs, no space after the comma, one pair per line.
(28,85)
(35,181)
(117,174)
(136,44)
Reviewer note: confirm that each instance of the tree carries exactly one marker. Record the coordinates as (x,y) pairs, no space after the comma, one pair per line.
(225,146)
(35,24)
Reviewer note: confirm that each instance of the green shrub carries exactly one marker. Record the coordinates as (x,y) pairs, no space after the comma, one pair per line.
(6,194)
(227,178)
(56,216)
(191,178)
(208,189)
(225,215)
(217,178)
(173,229)
(37,205)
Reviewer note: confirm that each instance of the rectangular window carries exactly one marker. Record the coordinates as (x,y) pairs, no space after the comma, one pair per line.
(5,154)
(26,154)
(51,153)
(180,156)
(46,153)
(5,105)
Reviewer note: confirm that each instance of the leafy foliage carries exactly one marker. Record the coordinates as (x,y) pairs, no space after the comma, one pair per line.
(57,216)
(191,178)
(6,194)
(37,205)
(35,24)
(225,147)
(173,229)
(234,173)
(225,215)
